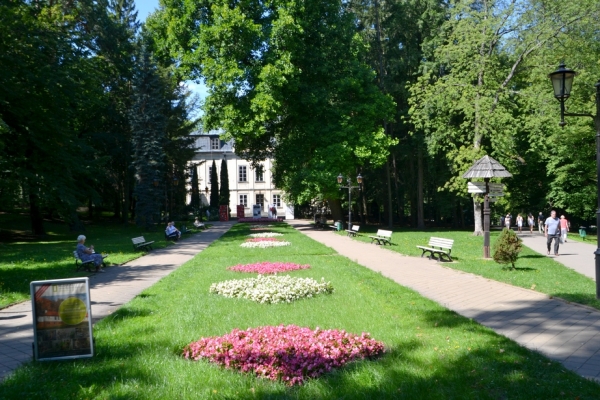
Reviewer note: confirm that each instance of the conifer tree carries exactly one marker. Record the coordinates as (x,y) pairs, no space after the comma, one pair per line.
(148,125)
(195,200)
(224,190)
(507,248)
(214,186)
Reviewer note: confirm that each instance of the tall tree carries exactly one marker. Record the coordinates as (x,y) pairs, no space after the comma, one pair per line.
(148,124)
(214,186)
(224,189)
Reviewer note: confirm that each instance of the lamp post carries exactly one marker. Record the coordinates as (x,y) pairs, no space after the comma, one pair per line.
(349,186)
(562,81)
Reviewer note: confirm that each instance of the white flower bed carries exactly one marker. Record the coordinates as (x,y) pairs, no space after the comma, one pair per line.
(264,245)
(265,234)
(272,288)
(261,226)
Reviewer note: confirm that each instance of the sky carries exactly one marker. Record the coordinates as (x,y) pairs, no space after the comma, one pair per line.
(145,8)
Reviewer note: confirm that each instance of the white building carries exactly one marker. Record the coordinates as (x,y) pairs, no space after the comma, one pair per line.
(247,186)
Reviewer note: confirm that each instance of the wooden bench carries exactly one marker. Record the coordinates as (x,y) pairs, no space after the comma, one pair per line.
(139,243)
(353,232)
(438,246)
(334,227)
(87,265)
(382,237)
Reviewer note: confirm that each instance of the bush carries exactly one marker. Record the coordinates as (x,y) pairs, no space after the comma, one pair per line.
(507,248)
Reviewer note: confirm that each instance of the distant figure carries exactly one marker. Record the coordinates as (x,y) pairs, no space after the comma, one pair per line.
(197,223)
(502,220)
(88,253)
(552,231)
(519,223)
(172,232)
(530,222)
(564,228)
(507,221)
(274,212)
(541,222)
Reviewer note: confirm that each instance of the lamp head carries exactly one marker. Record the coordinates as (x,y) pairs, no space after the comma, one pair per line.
(562,82)
(340,178)
(359,179)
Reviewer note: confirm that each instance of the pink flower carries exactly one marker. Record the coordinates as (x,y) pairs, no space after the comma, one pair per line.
(267,267)
(262,240)
(288,353)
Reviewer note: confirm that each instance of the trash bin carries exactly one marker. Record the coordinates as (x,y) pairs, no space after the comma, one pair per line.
(582,232)
(339,225)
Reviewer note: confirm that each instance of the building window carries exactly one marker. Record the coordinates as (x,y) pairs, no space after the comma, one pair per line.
(260,199)
(277,200)
(244,200)
(260,174)
(214,143)
(242,177)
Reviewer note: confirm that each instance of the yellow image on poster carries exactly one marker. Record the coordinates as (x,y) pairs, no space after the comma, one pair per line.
(72,311)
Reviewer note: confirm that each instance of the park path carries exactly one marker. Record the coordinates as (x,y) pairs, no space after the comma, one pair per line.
(567,333)
(108,292)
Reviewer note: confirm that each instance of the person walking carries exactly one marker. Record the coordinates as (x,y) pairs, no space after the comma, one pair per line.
(541,222)
(507,220)
(519,223)
(530,222)
(564,228)
(552,231)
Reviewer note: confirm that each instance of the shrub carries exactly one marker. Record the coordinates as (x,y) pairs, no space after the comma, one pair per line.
(507,248)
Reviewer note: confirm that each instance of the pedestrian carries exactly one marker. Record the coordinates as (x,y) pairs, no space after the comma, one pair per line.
(502,220)
(552,231)
(507,221)
(530,222)
(541,222)
(564,228)
(519,223)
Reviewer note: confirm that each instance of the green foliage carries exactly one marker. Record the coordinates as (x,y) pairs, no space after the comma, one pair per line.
(224,189)
(507,248)
(214,186)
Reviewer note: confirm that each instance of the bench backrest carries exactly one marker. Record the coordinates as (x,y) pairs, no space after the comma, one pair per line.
(441,242)
(355,228)
(384,233)
(76,255)
(138,240)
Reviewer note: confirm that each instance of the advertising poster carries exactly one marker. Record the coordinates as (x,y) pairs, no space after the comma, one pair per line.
(62,319)
(240,212)
(223,213)
(256,211)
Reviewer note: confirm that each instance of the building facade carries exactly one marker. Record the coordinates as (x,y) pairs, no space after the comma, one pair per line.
(247,186)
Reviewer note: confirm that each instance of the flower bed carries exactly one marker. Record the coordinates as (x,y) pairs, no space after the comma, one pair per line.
(271,289)
(261,220)
(262,239)
(267,267)
(288,353)
(265,234)
(260,227)
(262,244)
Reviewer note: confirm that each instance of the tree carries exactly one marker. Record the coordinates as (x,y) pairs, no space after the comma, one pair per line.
(148,125)
(507,248)
(195,198)
(224,189)
(214,186)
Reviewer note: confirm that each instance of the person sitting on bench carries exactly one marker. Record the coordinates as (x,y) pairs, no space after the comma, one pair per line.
(88,253)
(197,223)
(171,232)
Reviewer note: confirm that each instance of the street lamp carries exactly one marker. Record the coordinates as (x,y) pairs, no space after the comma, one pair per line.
(349,186)
(562,81)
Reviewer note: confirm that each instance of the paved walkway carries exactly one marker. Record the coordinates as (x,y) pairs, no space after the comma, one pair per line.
(108,292)
(575,255)
(564,332)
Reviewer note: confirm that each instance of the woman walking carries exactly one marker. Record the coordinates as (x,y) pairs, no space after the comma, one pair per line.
(519,222)
(564,228)
(530,222)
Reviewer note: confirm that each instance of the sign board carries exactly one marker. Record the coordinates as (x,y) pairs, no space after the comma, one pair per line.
(62,319)
(223,213)
(256,211)
(240,211)
(289,211)
(479,187)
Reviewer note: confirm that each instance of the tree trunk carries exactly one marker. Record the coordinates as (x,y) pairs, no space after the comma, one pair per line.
(126,199)
(420,212)
(35,214)
(399,196)
(335,205)
(477,213)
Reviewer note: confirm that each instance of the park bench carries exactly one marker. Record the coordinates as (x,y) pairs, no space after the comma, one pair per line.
(438,246)
(86,265)
(382,237)
(334,227)
(353,232)
(139,243)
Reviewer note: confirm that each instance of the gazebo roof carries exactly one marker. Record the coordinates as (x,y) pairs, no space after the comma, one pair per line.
(487,167)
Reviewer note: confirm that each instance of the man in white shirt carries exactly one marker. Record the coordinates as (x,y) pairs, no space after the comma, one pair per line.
(172,232)
(552,231)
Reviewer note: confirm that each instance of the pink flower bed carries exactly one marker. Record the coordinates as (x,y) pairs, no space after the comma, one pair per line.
(268,267)
(288,353)
(261,220)
(262,240)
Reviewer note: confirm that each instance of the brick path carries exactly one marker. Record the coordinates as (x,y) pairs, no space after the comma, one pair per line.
(108,292)
(567,333)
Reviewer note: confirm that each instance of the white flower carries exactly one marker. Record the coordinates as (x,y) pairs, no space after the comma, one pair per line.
(265,234)
(271,288)
(264,245)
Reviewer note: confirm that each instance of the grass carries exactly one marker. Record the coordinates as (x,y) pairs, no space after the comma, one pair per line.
(28,259)
(432,353)
(533,270)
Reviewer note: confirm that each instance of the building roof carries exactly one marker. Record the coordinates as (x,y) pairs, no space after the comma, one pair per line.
(487,167)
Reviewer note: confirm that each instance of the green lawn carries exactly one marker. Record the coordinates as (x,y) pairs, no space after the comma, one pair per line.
(432,353)
(30,259)
(533,271)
